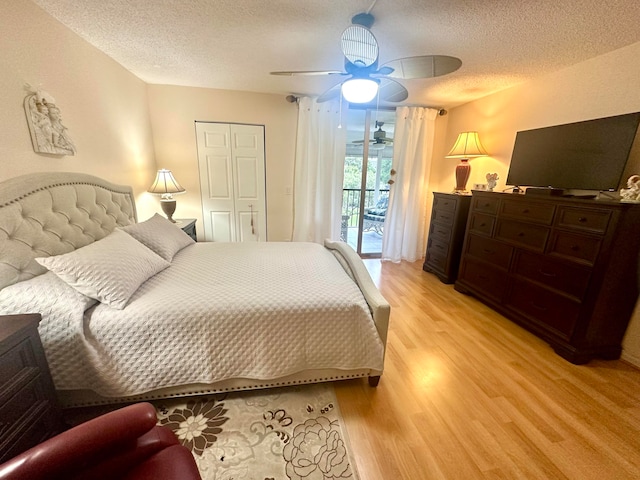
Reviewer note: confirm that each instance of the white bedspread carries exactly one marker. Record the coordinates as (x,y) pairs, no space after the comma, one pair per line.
(220,311)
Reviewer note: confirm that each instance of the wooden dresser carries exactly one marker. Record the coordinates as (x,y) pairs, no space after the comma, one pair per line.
(446,234)
(566,269)
(29,412)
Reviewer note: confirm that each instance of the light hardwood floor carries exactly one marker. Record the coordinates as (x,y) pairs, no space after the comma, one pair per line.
(467,394)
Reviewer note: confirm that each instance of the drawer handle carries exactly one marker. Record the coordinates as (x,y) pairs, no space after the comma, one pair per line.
(582,219)
(539,307)
(526,210)
(575,248)
(483,224)
(490,252)
(521,234)
(547,274)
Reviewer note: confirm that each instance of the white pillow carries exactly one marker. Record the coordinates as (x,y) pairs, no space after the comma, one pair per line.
(45,294)
(109,270)
(160,235)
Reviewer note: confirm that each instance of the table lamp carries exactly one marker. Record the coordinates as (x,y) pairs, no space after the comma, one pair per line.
(467,146)
(165,185)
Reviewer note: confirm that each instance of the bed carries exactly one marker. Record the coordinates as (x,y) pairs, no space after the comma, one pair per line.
(138,311)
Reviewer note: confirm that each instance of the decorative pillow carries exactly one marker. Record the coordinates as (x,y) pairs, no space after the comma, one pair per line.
(45,294)
(109,270)
(160,235)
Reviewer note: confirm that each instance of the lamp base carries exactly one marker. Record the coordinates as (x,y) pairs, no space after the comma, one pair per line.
(463,170)
(169,208)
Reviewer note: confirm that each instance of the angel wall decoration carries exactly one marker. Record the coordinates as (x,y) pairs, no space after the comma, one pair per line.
(48,134)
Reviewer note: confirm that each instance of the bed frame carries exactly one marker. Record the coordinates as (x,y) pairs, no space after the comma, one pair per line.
(45,214)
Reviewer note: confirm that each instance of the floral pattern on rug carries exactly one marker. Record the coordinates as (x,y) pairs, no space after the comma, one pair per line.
(277,434)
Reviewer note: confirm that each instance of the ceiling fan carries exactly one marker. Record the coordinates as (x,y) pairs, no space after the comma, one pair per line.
(380,139)
(366,80)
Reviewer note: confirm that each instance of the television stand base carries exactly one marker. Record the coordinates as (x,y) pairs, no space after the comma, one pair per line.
(547,192)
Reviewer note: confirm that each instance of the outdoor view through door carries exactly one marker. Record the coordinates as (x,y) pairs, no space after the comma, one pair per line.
(367,167)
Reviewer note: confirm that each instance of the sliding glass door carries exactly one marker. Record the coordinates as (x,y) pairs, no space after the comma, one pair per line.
(366,171)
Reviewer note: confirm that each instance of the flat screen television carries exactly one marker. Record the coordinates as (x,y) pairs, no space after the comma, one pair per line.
(588,155)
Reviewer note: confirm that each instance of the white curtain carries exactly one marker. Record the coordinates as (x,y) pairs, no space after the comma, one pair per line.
(319,170)
(404,228)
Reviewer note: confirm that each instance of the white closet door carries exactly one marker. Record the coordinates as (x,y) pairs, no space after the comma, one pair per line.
(232,181)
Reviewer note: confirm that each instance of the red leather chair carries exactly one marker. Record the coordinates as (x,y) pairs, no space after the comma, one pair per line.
(124,444)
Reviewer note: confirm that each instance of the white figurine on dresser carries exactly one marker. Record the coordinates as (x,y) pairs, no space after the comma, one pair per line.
(632,193)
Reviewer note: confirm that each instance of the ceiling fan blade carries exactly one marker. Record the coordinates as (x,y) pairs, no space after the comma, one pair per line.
(426,66)
(392,91)
(330,94)
(359,46)
(309,72)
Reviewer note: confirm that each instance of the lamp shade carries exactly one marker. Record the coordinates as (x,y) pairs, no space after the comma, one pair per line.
(165,184)
(359,90)
(467,146)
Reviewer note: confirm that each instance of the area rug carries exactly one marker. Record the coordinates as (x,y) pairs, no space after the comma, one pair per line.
(291,433)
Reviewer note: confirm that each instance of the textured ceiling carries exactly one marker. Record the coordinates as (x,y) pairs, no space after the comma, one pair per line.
(234,44)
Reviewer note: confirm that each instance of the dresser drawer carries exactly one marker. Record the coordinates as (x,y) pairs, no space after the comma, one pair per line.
(436,261)
(496,253)
(544,307)
(486,279)
(591,220)
(576,247)
(441,202)
(571,279)
(534,212)
(522,234)
(439,231)
(481,223)
(438,246)
(444,217)
(484,204)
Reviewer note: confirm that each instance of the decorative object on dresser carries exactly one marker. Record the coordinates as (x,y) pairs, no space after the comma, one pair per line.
(166,186)
(564,268)
(188,226)
(467,146)
(446,234)
(29,411)
(631,194)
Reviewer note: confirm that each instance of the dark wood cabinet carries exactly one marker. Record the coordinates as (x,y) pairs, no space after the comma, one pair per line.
(566,269)
(188,226)
(29,412)
(446,234)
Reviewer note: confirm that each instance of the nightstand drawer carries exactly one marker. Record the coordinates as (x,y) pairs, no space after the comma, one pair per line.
(438,246)
(439,231)
(523,234)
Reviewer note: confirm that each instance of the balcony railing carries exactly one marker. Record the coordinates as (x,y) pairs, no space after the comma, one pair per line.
(351,203)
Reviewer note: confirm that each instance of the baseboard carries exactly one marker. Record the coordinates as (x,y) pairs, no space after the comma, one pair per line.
(631,359)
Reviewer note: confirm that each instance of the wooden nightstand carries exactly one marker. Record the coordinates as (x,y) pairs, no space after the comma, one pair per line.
(29,412)
(188,226)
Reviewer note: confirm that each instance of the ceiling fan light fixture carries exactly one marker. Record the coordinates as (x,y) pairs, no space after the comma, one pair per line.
(377,146)
(359,90)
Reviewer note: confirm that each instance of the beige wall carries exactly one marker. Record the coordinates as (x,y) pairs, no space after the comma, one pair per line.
(600,87)
(103,105)
(173,113)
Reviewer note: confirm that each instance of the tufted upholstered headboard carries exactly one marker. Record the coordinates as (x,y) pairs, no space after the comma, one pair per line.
(43,214)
